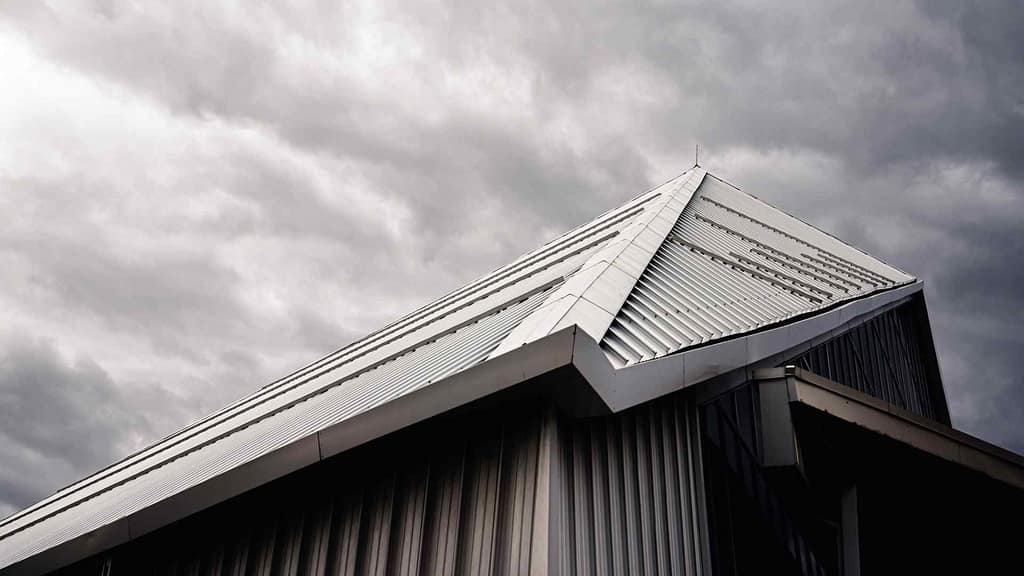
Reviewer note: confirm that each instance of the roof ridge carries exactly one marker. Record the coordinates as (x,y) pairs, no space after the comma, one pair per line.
(593,295)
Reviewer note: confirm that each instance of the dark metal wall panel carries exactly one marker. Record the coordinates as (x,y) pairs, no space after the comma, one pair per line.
(452,497)
(631,492)
(752,528)
(889,357)
(742,406)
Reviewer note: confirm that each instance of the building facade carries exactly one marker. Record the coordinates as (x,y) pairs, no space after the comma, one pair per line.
(692,383)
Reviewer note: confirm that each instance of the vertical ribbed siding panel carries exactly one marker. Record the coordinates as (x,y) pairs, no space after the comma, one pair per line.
(882,357)
(459,499)
(752,528)
(376,531)
(316,546)
(583,520)
(289,545)
(629,490)
(616,499)
(407,526)
(264,551)
(345,534)
(516,504)
(600,504)
(444,511)
(479,506)
(236,561)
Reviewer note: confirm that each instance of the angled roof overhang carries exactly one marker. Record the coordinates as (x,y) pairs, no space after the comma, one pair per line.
(789,388)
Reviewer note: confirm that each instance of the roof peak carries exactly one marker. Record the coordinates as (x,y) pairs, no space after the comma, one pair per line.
(594,294)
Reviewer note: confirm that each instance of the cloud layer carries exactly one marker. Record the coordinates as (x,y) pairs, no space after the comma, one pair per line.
(197,199)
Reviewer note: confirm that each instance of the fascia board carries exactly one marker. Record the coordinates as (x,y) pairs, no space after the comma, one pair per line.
(635,384)
(494,375)
(905,427)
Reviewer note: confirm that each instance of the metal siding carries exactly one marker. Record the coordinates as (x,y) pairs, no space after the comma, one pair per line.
(883,357)
(443,499)
(630,502)
(732,264)
(751,527)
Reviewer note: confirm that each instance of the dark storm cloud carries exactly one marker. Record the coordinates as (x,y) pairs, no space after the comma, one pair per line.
(201,199)
(61,419)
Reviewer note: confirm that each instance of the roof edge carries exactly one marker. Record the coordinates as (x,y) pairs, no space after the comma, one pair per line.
(490,376)
(637,383)
(875,415)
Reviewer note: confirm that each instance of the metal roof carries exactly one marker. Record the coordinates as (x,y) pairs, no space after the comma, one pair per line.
(689,262)
(442,338)
(732,264)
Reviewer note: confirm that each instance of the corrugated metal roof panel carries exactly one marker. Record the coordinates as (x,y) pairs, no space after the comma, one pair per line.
(732,264)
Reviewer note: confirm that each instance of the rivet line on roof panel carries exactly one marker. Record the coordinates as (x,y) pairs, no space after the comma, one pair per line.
(820,250)
(731,279)
(799,269)
(704,233)
(776,253)
(874,283)
(743,268)
(758,222)
(780,275)
(838,261)
(690,276)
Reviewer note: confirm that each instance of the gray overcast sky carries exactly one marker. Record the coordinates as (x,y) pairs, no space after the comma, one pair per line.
(196,200)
